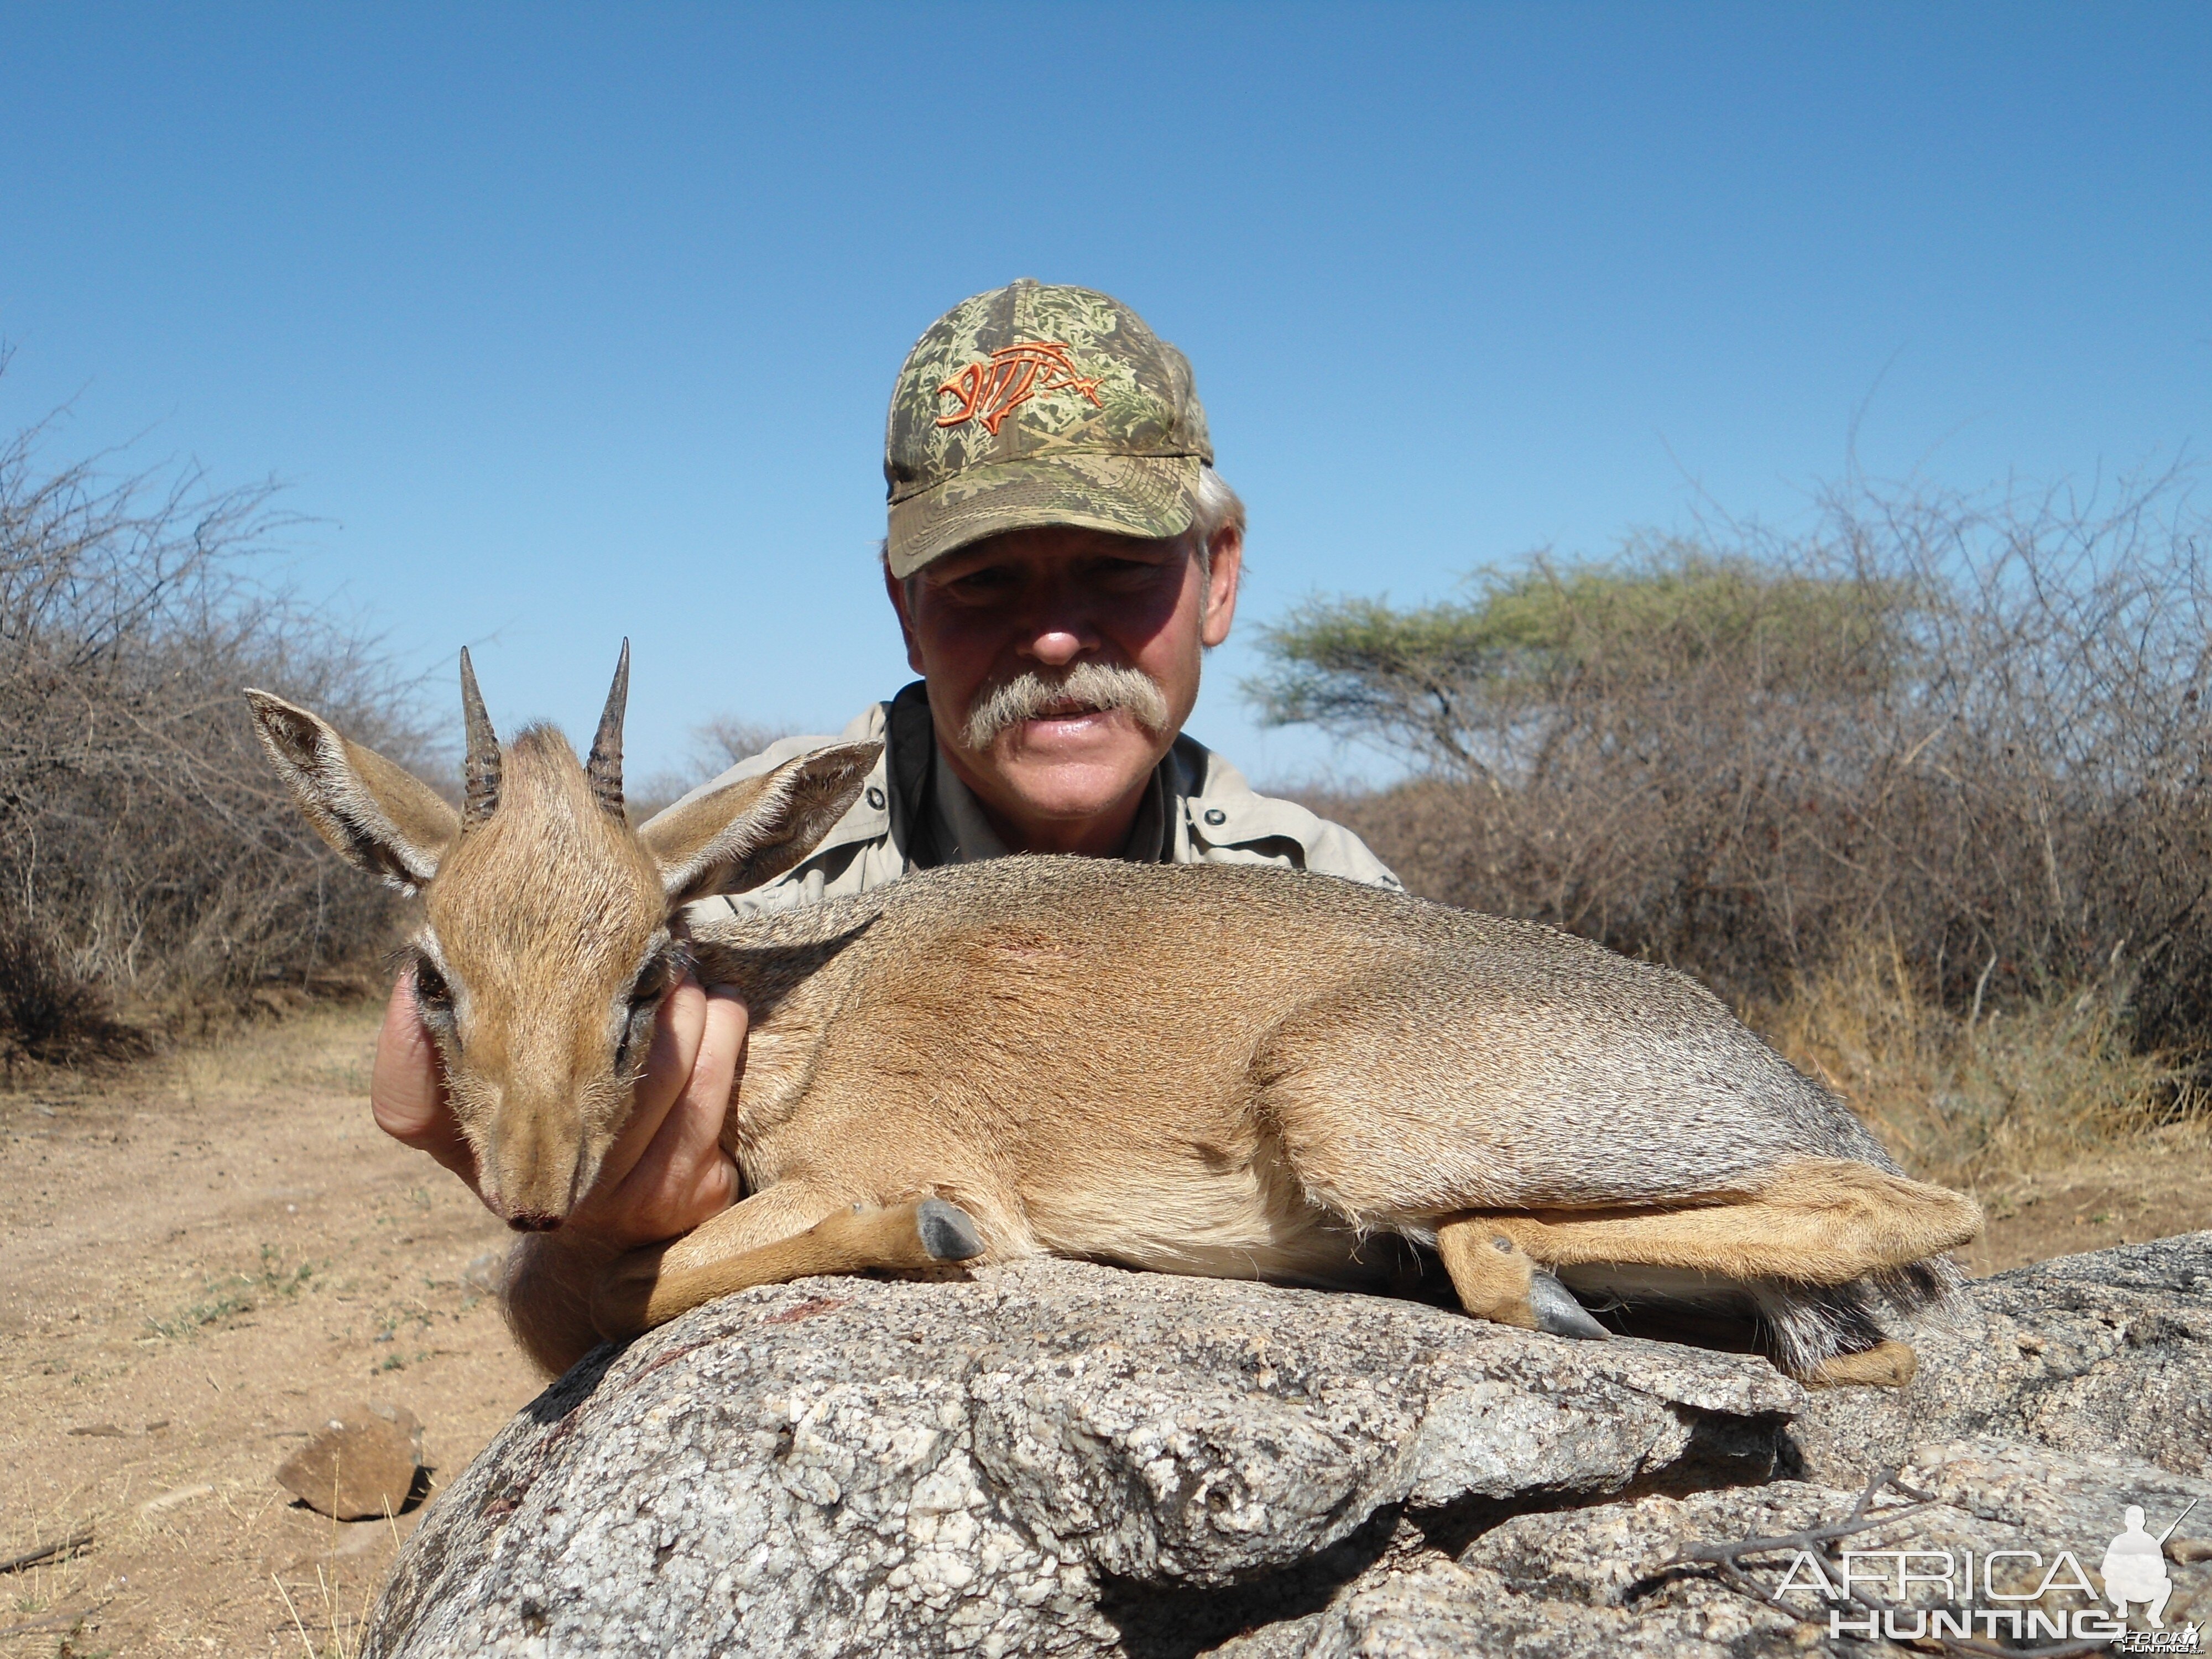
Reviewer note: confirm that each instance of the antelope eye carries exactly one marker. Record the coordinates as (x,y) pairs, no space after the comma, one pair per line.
(431,991)
(637,1031)
(653,983)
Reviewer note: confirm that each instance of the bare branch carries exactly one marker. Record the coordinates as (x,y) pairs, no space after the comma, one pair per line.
(146,851)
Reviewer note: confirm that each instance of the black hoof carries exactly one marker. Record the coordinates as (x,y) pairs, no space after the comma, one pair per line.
(1558,1312)
(947,1233)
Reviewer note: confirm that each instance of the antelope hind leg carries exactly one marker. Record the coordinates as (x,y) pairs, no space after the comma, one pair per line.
(650,1287)
(1888,1365)
(1817,1222)
(1497,1280)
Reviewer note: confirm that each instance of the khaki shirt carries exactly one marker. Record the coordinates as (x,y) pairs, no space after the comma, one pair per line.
(913,814)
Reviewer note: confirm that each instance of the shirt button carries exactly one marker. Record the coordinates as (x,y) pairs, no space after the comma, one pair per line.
(1216,817)
(875,798)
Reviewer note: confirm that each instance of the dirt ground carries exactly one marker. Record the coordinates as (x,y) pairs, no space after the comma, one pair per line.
(210,1256)
(203,1260)
(2123,1197)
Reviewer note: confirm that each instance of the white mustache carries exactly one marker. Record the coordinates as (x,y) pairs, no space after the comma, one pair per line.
(1093,685)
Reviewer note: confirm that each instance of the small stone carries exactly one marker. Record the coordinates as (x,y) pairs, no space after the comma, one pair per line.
(357,1467)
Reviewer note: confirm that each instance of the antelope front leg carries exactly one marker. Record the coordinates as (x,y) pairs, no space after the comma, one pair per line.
(772,1238)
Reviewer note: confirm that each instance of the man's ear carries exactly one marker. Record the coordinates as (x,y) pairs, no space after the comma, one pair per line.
(379,816)
(750,831)
(1225,573)
(901,592)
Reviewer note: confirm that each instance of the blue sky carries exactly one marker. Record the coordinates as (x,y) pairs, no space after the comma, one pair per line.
(563,323)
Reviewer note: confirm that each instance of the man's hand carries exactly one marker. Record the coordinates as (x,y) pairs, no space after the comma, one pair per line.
(406,1091)
(666,1173)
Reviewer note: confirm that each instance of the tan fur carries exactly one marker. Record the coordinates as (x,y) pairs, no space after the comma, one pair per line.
(1489,1272)
(528,1071)
(1211,1070)
(1832,1221)
(1886,1366)
(652,1286)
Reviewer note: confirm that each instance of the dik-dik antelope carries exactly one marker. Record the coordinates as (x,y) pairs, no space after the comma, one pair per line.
(1211,1070)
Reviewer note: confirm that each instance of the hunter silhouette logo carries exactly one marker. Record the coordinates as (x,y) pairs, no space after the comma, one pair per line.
(2013,1594)
(991,390)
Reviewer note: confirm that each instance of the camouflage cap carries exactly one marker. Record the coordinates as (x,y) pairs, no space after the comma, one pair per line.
(1036,406)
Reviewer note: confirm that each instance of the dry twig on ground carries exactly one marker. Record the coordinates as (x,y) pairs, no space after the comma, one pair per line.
(39,1553)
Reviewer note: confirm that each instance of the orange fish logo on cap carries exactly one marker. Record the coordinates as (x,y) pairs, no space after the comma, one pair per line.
(990,390)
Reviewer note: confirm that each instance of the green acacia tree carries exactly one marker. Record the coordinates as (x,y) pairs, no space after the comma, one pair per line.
(1488,683)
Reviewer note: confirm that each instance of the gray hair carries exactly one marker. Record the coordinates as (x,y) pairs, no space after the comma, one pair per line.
(1093,684)
(1217,508)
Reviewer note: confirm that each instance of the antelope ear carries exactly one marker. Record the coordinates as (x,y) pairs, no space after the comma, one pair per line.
(750,831)
(379,816)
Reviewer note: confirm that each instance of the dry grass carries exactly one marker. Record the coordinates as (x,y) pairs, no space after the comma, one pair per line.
(311,1049)
(1991,1095)
(326,1626)
(1982,726)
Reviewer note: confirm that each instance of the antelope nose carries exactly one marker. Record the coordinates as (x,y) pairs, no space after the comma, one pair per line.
(533,1221)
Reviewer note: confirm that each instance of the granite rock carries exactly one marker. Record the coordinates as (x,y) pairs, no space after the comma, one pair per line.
(1055,1458)
(2108,1354)
(1612,1578)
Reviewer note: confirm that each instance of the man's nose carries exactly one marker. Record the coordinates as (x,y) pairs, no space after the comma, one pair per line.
(1056,646)
(1058,621)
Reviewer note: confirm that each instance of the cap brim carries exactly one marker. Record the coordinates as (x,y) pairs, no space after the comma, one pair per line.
(1148,496)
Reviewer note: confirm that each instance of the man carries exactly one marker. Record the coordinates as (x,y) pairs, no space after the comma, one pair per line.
(1061,554)
(2134,1568)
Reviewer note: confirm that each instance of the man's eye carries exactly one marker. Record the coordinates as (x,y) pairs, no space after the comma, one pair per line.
(1125,575)
(980,584)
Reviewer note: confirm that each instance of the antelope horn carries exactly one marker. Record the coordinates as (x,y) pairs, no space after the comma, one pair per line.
(603,769)
(480,770)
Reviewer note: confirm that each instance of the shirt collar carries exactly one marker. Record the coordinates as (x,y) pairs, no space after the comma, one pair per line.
(959,832)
